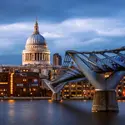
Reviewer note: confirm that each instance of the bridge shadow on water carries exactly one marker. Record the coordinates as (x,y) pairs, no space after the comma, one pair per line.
(80,115)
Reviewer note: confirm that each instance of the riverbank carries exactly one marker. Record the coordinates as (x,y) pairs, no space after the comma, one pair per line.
(47,98)
(25,98)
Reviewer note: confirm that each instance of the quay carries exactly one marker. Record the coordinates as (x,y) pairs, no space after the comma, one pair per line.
(25,98)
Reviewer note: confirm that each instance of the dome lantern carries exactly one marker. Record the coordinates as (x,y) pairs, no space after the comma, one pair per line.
(36,28)
(36,38)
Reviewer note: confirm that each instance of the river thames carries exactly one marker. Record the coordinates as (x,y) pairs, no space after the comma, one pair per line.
(43,112)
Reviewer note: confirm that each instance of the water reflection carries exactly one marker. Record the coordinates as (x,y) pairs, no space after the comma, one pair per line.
(43,112)
(11,101)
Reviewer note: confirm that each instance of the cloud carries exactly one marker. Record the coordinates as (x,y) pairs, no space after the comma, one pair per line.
(77,34)
(73,24)
(52,35)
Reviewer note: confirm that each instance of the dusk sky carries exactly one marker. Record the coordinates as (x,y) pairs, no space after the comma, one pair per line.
(81,25)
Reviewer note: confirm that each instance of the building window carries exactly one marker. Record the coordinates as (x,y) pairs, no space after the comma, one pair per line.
(24,89)
(24,80)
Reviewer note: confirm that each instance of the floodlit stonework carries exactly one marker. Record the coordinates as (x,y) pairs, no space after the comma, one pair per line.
(36,50)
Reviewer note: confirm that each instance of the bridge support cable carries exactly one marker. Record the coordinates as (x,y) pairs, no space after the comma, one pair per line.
(122,57)
(97,61)
(114,61)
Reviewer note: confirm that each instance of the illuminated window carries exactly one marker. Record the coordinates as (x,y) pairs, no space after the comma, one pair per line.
(24,89)
(106,75)
(3,83)
(34,89)
(24,80)
(73,85)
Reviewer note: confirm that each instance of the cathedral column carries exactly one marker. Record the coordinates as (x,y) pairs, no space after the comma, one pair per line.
(26,56)
(30,56)
(33,56)
(43,56)
(47,57)
(39,56)
(36,57)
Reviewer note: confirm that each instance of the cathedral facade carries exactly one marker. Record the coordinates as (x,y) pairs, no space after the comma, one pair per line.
(36,49)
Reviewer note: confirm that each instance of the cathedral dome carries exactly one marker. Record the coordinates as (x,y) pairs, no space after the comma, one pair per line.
(36,38)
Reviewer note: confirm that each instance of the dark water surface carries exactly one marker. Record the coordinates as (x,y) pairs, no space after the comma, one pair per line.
(43,112)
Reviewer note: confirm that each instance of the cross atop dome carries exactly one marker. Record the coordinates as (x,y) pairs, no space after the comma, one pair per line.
(36,28)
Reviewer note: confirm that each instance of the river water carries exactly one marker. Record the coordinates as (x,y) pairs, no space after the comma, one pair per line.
(43,112)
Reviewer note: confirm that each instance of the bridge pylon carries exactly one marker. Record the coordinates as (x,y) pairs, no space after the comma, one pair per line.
(56,97)
(105,101)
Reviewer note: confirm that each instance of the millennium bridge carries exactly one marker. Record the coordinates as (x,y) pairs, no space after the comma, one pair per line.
(92,66)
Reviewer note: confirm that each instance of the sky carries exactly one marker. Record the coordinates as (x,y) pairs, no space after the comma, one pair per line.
(82,25)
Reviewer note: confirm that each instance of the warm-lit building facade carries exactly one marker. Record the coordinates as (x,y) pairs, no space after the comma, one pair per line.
(22,84)
(26,84)
(78,90)
(4,84)
(27,81)
(85,90)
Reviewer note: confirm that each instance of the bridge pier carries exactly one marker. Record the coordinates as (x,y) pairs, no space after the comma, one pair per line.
(105,101)
(56,97)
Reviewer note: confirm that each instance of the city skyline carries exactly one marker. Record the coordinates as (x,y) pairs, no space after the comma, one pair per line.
(79,25)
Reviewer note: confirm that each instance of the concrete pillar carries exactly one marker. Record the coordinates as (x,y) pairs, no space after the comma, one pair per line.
(56,97)
(105,101)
